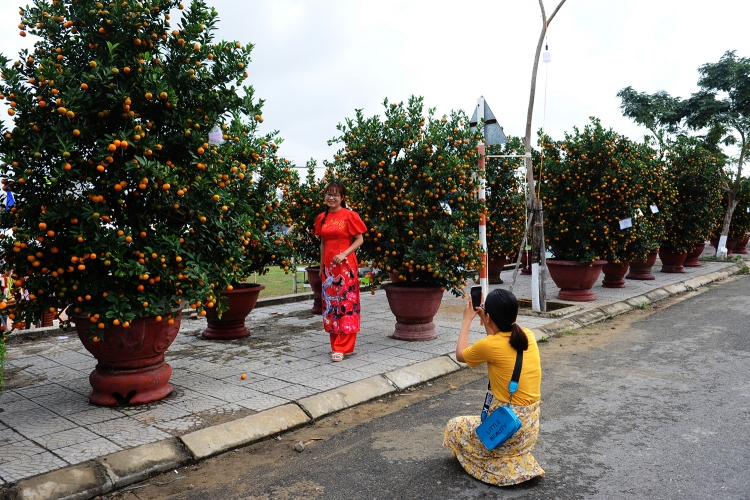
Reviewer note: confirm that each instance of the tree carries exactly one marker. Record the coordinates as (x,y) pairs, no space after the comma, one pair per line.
(126,206)
(720,109)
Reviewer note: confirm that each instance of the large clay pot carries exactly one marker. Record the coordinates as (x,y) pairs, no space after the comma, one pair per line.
(692,257)
(741,247)
(671,262)
(731,243)
(641,269)
(242,300)
(494,268)
(526,262)
(414,308)
(313,277)
(575,279)
(614,275)
(130,366)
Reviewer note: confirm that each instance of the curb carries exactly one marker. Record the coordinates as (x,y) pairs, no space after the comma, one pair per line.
(611,310)
(100,476)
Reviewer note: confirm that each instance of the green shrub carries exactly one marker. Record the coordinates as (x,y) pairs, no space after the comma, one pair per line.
(125,206)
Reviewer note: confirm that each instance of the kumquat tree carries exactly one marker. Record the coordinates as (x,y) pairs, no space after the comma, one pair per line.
(506,200)
(594,183)
(414,180)
(124,207)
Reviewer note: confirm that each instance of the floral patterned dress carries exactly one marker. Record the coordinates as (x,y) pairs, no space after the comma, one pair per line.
(341,282)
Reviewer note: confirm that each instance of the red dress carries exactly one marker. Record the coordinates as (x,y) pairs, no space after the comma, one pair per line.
(341,281)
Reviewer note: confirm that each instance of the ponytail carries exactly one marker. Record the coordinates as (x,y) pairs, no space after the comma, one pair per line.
(518,339)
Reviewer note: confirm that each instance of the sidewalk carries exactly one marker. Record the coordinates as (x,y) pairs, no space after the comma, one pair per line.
(48,427)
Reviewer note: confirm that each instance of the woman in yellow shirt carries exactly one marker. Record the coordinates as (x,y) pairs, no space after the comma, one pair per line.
(512,462)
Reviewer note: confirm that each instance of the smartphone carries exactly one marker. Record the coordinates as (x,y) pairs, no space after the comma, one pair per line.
(476,296)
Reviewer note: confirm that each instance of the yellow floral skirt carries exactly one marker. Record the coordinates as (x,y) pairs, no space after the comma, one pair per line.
(508,464)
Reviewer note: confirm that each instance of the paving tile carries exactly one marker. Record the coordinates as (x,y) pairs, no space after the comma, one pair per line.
(35,428)
(136,437)
(181,425)
(268,385)
(262,402)
(17,406)
(94,416)
(9,397)
(294,392)
(325,383)
(24,458)
(39,390)
(8,436)
(88,450)
(200,404)
(63,439)
(161,413)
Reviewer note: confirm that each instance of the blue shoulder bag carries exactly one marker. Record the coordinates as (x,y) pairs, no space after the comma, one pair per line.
(500,425)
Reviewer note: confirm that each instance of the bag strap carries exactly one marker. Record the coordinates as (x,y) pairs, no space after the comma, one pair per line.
(512,386)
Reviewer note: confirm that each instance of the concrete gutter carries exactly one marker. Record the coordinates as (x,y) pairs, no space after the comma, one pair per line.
(110,472)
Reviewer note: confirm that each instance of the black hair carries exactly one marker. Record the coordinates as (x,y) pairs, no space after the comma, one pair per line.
(342,191)
(502,307)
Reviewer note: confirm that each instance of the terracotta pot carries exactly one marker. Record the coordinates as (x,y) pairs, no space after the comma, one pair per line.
(741,247)
(575,279)
(130,366)
(671,262)
(692,257)
(313,277)
(48,318)
(414,308)
(526,262)
(393,276)
(715,243)
(494,268)
(641,270)
(731,243)
(614,275)
(242,300)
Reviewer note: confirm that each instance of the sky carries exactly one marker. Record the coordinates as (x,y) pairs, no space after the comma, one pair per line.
(316,61)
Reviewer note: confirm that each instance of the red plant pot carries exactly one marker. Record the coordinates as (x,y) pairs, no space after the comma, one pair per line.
(575,279)
(671,262)
(242,300)
(614,275)
(414,308)
(494,268)
(731,244)
(130,366)
(316,284)
(692,257)
(641,270)
(741,247)
(526,262)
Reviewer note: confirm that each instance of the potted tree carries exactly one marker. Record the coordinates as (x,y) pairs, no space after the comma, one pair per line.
(597,188)
(506,206)
(738,231)
(414,180)
(696,174)
(305,203)
(124,211)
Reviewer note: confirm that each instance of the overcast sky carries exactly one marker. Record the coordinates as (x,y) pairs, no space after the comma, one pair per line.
(315,62)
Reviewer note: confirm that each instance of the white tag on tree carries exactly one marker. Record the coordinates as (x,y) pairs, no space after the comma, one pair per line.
(626,223)
(639,212)
(215,136)
(654,209)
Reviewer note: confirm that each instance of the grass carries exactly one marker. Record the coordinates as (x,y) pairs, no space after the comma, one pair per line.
(568,331)
(744,270)
(735,258)
(643,305)
(278,283)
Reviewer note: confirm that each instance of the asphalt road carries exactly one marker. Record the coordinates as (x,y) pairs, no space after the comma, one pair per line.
(653,404)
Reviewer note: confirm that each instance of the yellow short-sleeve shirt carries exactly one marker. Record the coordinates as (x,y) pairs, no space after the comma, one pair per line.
(496,351)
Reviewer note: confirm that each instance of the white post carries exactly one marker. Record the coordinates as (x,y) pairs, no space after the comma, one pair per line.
(482,196)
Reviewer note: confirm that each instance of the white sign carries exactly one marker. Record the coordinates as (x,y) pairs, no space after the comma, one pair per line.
(639,212)
(654,209)
(215,136)
(626,223)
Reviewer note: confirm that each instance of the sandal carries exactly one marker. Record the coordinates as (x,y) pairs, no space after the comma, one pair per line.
(337,356)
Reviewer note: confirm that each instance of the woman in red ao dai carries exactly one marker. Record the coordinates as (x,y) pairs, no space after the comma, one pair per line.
(340,230)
